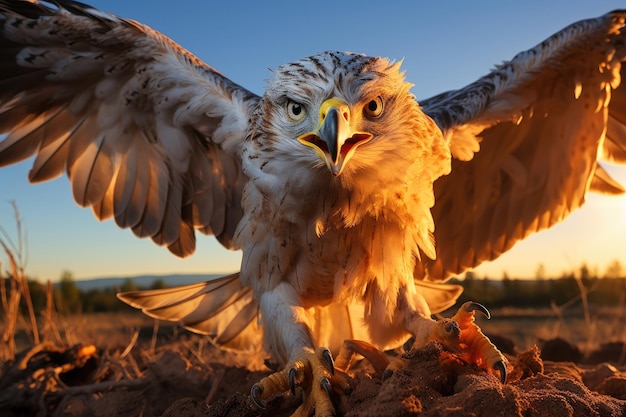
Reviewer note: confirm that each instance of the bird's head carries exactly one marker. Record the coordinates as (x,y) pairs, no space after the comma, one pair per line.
(349,113)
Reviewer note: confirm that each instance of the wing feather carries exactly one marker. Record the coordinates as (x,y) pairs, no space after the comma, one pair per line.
(104,209)
(91,174)
(526,140)
(130,190)
(221,308)
(146,132)
(50,160)
(614,147)
(602,182)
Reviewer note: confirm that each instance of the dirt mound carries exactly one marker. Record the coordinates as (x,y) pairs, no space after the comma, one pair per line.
(179,381)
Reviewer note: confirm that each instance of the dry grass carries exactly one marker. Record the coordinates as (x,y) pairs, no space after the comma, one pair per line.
(14,289)
(69,361)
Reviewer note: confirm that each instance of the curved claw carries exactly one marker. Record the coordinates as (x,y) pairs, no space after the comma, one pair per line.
(473,306)
(387,374)
(501,368)
(254,394)
(329,360)
(325,384)
(292,380)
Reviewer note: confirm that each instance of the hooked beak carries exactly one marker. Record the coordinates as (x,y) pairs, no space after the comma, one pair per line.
(335,141)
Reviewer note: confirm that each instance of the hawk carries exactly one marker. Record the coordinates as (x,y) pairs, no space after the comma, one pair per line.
(350,201)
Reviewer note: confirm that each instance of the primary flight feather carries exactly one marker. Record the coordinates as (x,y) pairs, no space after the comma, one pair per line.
(348,198)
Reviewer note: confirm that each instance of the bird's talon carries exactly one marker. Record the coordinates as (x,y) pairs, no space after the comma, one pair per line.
(501,368)
(310,371)
(471,306)
(329,361)
(325,384)
(254,394)
(388,373)
(292,380)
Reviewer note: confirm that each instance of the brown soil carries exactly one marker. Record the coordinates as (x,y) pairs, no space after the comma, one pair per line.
(187,379)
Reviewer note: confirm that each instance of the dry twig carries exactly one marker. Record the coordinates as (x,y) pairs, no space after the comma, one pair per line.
(218,376)
(131,344)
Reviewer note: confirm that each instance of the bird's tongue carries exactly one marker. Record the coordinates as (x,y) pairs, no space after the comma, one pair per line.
(352,142)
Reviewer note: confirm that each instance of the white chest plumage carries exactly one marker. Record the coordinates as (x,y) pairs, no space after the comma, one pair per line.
(335,238)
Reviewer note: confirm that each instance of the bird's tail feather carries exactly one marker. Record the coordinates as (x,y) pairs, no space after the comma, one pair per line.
(439,296)
(221,308)
(227,311)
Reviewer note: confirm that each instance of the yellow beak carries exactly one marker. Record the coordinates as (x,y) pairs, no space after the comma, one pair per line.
(335,140)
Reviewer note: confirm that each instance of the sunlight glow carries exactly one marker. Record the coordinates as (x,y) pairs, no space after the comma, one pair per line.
(62,236)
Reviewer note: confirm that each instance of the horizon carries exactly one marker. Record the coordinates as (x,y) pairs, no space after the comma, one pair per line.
(440,49)
(595,272)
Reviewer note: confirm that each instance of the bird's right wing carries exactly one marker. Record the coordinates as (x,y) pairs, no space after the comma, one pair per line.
(147,133)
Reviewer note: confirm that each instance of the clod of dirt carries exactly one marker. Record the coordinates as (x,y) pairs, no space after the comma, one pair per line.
(596,376)
(527,364)
(553,394)
(614,386)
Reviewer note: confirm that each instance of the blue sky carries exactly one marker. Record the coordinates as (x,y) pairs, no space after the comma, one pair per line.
(444,45)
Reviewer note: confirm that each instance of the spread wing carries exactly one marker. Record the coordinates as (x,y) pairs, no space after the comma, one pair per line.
(541,122)
(146,132)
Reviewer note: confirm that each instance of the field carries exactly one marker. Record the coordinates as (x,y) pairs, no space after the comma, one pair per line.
(566,358)
(125,364)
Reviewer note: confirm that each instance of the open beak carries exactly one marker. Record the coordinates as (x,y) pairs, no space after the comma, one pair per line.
(335,141)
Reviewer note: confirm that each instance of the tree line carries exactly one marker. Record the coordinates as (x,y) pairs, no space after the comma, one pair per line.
(68,298)
(607,289)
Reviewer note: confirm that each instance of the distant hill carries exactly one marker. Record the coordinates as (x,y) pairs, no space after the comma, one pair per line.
(143,281)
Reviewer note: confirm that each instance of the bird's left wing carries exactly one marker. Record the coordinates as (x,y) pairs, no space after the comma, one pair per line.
(526,140)
(147,133)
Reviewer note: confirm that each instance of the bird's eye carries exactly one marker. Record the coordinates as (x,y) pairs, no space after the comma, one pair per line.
(295,111)
(374,107)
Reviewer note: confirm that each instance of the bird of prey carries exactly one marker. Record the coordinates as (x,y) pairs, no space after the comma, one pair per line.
(350,200)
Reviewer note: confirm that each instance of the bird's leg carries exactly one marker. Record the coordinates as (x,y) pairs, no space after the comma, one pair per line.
(461,335)
(476,347)
(287,336)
